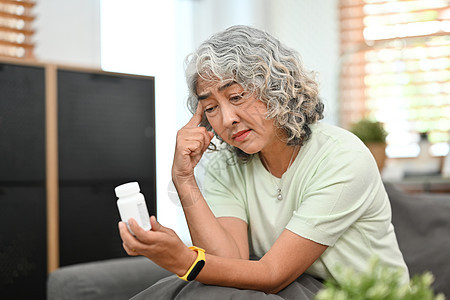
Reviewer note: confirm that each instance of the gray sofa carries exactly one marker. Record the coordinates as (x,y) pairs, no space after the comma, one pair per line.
(422,224)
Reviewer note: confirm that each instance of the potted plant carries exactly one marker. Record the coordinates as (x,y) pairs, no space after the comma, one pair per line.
(379,283)
(373,135)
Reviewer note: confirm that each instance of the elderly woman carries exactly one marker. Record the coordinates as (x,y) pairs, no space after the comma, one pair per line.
(301,196)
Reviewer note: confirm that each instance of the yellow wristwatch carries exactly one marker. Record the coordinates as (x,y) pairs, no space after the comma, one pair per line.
(197,266)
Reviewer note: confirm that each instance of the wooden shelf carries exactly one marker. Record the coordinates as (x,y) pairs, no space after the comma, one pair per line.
(19,3)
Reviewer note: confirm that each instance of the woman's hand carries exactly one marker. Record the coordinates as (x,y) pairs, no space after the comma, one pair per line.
(192,142)
(161,245)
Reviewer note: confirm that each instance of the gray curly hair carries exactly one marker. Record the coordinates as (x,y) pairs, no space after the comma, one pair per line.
(262,65)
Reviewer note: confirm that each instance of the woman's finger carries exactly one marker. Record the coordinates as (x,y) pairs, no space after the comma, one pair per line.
(130,251)
(129,242)
(140,234)
(208,137)
(156,226)
(196,118)
(200,135)
(126,236)
(194,147)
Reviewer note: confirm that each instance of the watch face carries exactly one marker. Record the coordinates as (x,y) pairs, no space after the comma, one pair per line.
(197,268)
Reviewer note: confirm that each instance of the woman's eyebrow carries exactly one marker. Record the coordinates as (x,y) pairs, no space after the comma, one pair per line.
(203,97)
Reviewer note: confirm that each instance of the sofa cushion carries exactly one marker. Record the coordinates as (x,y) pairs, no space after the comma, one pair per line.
(422,225)
(112,279)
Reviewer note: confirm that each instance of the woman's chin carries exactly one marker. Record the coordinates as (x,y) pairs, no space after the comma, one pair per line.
(248,150)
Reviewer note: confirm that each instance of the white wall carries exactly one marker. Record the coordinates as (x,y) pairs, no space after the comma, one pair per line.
(68,32)
(311,27)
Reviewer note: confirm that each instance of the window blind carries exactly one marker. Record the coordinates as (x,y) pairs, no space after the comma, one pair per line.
(16,28)
(396,69)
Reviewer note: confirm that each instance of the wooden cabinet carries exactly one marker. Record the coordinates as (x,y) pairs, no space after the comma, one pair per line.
(68,136)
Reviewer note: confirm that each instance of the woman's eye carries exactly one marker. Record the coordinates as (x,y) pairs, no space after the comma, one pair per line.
(237,98)
(210,109)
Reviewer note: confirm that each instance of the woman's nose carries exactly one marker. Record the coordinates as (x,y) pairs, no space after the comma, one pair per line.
(229,115)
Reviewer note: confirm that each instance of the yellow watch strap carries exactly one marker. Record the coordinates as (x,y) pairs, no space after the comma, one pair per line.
(196,266)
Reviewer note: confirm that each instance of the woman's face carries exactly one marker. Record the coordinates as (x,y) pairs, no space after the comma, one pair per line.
(237,116)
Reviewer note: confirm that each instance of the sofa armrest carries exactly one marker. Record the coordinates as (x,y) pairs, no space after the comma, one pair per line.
(422,226)
(119,278)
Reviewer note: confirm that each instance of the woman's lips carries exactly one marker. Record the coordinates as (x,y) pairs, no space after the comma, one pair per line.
(241,135)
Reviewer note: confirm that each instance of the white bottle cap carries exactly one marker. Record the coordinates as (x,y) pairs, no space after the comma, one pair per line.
(127,189)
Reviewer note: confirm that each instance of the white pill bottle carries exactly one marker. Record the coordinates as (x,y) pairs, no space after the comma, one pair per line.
(131,204)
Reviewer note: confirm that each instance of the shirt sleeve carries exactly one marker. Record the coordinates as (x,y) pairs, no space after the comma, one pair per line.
(224,187)
(340,192)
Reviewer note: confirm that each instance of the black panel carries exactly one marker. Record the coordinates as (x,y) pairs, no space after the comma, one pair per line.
(106,127)
(23,262)
(106,138)
(22,123)
(89,223)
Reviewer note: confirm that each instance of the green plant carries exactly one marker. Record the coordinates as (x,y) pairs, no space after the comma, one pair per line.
(379,283)
(369,131)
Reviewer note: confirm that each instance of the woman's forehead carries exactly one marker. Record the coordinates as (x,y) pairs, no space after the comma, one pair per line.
(206,84)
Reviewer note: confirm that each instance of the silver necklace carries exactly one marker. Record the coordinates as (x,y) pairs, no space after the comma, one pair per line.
(279,187)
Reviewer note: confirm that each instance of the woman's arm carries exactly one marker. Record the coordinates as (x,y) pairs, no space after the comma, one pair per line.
(222,237)
(288,258)
(225,237)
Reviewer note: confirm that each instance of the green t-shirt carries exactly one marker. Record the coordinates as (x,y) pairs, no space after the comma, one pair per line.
(332,194)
